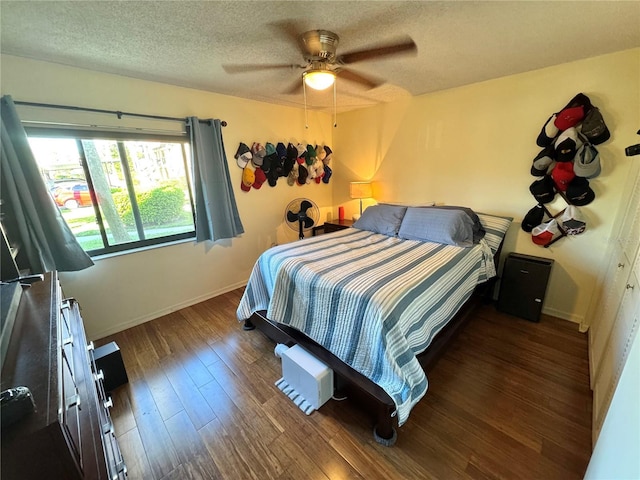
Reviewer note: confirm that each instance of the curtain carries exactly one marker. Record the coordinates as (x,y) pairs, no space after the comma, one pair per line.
(216,210)
(32,218)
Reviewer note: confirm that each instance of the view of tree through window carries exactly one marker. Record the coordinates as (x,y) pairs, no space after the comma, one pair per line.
(117,192)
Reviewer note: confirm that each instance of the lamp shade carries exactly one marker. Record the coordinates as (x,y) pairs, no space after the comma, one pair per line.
(319,79)
(360,190)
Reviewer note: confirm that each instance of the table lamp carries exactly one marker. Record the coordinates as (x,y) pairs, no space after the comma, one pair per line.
(360,190)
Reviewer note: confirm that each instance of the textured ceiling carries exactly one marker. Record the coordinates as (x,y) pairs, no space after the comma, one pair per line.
(186,43)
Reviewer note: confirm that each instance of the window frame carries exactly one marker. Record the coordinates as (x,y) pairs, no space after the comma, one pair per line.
(79,134)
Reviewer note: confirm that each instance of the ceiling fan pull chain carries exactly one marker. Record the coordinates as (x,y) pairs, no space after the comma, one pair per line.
(335,114)
(304,92)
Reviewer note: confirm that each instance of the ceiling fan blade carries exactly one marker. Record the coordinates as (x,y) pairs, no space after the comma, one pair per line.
(289,30)
(406,46)
(292,217)
(295,87)
(352,76)
(246,68)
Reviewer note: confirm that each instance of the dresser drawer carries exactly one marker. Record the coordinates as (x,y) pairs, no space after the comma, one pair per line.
(70,399)
(70,406)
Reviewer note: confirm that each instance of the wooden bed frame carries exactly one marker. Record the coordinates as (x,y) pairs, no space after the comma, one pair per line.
(355,385)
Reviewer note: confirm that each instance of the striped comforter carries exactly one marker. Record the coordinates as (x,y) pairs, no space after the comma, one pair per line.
(374,301)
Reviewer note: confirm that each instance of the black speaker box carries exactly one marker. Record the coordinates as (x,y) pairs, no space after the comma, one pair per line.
(109,359)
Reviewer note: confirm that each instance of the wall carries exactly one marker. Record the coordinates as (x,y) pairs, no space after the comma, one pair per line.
(471,145)
(474,146)
(124,290)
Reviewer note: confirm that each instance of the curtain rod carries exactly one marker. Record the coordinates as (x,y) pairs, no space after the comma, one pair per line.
(118,113)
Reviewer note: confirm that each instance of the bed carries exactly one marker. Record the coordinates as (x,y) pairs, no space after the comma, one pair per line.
(369,300)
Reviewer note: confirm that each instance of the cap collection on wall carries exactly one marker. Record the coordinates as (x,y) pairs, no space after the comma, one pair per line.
(566,163)
(299,164)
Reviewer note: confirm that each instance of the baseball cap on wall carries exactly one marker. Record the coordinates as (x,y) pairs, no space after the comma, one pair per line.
(572,220)
(567,144)
(543,189)
(579,192)
(569,117)
(544,233)
(533,218)
(594,128)
(248,178)
(580,100)
(562,174)
(587,162)
(542,163)
(548,133)
(242,155)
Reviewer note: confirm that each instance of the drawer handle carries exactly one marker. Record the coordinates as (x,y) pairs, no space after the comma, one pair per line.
(108,403)
(621,265)
(98,376)
(75,402)
(630,287)
(90,347)
(108,428)
(120,468)
(68,340)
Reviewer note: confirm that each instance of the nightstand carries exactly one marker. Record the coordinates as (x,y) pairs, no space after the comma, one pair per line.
(523,285)
(332,226)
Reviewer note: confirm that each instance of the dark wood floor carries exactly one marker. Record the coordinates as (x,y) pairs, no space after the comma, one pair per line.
(509,399)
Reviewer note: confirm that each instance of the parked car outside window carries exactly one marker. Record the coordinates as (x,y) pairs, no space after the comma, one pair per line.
(72,195)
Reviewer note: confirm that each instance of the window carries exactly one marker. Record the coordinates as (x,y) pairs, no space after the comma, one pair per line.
(117,191)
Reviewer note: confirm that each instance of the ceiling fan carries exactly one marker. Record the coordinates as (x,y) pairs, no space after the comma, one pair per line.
(323,64)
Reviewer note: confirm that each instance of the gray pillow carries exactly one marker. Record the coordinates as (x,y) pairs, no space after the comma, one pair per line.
(448,226)
(384,219)
(478,229)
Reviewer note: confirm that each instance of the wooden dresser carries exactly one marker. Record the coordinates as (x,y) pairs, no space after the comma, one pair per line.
(70,435)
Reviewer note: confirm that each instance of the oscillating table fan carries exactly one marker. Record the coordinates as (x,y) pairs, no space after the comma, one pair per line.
(301,215)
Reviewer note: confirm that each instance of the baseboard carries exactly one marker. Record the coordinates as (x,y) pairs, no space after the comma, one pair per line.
(571,317)
(119,327)
(192,301)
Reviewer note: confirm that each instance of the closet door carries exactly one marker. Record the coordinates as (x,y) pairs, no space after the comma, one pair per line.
(617,315)
(607,308)
(630,229)
(616,351)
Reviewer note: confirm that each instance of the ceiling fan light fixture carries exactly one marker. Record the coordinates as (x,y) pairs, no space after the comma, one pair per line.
(319,79)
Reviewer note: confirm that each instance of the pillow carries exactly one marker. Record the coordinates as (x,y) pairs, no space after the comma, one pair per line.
(495,227)
(478,229)
(384,219)
(403,204)
(448,226)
